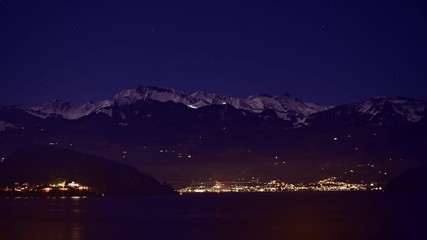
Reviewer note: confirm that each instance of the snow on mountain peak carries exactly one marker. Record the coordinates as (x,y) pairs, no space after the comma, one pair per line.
(412,110)
(130,96)
(204,98)
(5,125)
(286,106)
(61,108)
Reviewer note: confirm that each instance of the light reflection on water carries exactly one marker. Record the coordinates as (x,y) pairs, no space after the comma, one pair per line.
(41,218)
(76,230)
(229,216)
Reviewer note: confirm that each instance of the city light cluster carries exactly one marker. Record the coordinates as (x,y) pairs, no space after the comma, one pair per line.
(64,186)
(29,188)
(329,184)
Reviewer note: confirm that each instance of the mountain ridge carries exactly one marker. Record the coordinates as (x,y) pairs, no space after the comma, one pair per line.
(296,113)
(286,106)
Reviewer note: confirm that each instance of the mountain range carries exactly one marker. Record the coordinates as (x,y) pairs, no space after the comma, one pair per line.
(286,107)
(180,137)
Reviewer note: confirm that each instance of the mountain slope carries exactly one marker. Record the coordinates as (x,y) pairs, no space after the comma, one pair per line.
(374,111)
(43,165)
(176,136)
(61,108)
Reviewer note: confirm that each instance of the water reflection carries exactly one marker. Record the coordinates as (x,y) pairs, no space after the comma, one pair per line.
(76,231)
(246,216)
(48,230)
(42,218)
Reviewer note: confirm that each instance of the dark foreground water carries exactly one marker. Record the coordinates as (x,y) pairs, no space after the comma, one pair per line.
(307,215)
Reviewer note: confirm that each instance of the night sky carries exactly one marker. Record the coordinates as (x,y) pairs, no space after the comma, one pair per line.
(331,52)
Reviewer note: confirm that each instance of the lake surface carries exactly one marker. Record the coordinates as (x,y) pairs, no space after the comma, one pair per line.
(301,215)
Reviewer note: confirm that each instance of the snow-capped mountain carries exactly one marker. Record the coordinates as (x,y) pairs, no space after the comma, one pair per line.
(67,110)
(377,111)
(130,96)
(410,109)
(5,125)
(286,107)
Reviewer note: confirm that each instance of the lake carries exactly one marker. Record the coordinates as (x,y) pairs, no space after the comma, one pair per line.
(297,215)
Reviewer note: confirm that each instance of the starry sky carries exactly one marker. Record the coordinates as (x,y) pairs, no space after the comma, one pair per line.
(330,52)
